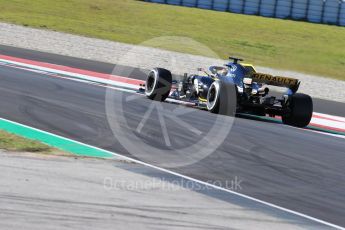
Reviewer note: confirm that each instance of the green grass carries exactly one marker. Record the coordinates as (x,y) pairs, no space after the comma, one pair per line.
(300,46)
(13,142)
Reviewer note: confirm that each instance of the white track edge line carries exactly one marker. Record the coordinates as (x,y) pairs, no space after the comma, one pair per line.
(77,75)
(107,81)
(187,178)
(113,85)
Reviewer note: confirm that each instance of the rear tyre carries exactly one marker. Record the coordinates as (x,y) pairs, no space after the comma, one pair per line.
(222,98)
(301,110)
(158,84)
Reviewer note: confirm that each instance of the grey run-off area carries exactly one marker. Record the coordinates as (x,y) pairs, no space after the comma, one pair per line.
(88,193)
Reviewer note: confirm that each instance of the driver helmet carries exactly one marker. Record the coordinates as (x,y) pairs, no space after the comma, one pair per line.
(224,72)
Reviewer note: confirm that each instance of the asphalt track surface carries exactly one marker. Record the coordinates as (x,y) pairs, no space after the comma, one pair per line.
(296,169)
(320,105)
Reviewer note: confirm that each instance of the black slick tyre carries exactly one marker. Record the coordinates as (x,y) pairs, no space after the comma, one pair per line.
(300,110)
(222,98)
(158,84)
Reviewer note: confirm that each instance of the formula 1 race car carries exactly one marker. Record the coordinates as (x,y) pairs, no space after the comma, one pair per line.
(234,88)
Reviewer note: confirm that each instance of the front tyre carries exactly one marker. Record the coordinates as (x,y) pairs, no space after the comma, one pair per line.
(300,107)
(158,84)
(222,98)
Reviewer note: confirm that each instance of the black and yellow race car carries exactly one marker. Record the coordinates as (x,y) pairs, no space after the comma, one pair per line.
(234,88)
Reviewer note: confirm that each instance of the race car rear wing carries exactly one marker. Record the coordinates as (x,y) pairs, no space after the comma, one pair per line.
(291,83)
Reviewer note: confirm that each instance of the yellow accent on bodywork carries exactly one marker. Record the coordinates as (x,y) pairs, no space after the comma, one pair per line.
(249,65)
(272,80)
(202,99)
